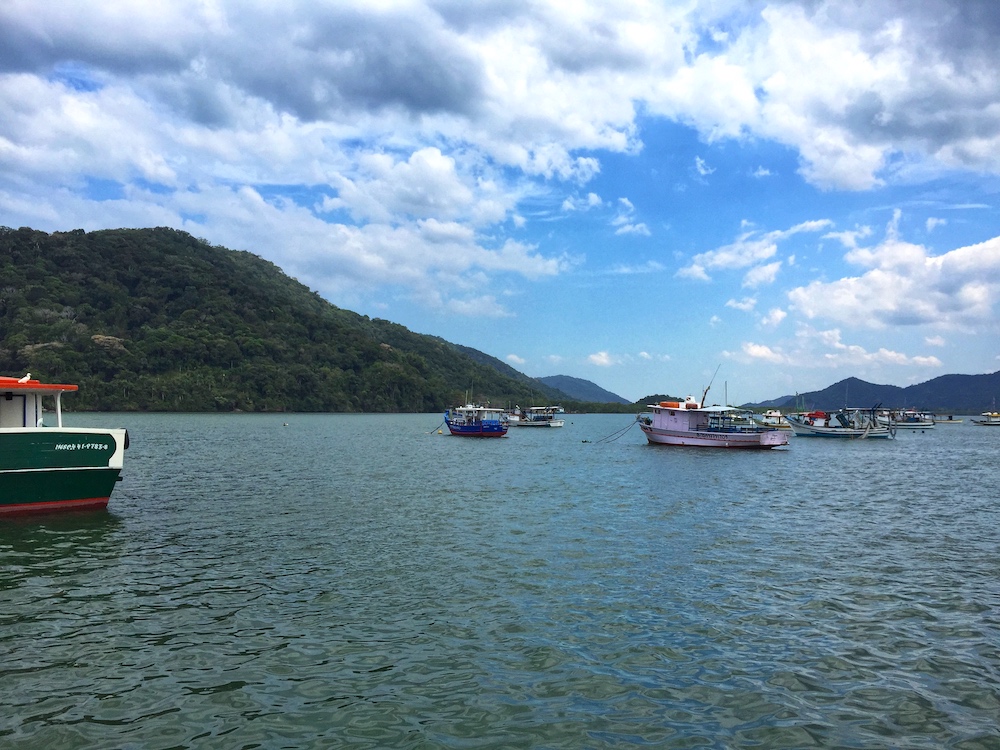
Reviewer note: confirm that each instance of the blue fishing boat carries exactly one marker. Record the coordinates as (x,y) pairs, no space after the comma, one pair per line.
(473,420)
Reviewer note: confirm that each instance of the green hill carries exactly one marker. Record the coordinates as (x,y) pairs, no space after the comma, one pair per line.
(155,319)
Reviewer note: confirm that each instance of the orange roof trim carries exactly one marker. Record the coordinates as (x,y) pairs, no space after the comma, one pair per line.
(15,384)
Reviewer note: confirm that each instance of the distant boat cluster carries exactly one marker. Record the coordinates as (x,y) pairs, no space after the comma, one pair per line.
(693,423)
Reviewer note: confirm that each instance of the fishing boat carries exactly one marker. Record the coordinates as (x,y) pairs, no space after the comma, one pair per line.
(48,468)
(909,419)
(844,423)
(538,416)
(988,419)
(950,419)
(473,420)
(689,423)
(772,418)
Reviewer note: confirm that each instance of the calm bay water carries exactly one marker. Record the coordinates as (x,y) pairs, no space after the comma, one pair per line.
(363,581)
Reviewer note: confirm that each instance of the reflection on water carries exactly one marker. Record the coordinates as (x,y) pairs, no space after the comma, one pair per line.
(362,580)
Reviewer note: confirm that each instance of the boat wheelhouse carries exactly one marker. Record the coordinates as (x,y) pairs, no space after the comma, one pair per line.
(473,420)
(47,468)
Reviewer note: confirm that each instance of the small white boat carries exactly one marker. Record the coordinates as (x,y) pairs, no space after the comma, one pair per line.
(857,424)
(946,420)
(772,418)
(909,419)
(988,419)
(689,423)
(538,416)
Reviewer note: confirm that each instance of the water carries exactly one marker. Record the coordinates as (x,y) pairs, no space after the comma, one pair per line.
(364,582)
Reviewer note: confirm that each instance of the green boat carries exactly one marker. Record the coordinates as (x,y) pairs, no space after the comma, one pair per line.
(52,468)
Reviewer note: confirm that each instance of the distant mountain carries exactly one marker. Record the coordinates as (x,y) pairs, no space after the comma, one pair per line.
(554,394)
(954,394)
(581,390)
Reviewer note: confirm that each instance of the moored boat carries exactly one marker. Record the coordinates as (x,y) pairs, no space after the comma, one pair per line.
(987,419)
(950,419)
(538,416)
(473,420)
(689,423)
(845,423)
(909,419)
(52,468)
(772,418)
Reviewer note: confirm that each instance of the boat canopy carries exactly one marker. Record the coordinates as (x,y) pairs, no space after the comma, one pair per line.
(21,401)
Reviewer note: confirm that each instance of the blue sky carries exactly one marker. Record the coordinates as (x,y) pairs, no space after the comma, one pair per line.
(634,193)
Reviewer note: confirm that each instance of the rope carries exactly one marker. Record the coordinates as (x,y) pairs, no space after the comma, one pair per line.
(619,433)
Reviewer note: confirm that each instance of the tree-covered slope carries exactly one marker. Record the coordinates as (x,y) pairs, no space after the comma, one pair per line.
(154,319)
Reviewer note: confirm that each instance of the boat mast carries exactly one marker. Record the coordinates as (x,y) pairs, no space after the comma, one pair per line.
(704,393)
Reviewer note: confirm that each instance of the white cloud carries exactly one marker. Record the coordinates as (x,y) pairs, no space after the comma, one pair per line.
(650,266)
(424,186)
(479,306)
(751,248)
(850,238)
(746,304)
(825,349)
(773,317)
(623,221)
(627,227)
(761,275)
(933,223)
(904,285)
(587,202)
(935,340)
(763,352)
(603,359)
(834,352)
(515,360)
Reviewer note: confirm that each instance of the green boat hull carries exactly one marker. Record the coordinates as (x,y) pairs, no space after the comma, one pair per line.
(58,469)
(56,489)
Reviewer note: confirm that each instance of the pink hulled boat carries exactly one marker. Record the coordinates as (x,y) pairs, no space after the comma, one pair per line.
(690,423)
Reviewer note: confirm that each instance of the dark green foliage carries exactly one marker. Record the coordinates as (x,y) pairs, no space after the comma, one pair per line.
(156,320)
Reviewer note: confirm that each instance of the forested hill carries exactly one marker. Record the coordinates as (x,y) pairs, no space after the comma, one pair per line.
(154,319)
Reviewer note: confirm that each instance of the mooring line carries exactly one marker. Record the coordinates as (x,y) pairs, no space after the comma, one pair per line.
(619,433)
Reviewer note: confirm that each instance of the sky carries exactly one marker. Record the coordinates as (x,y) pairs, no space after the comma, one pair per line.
(639,194)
